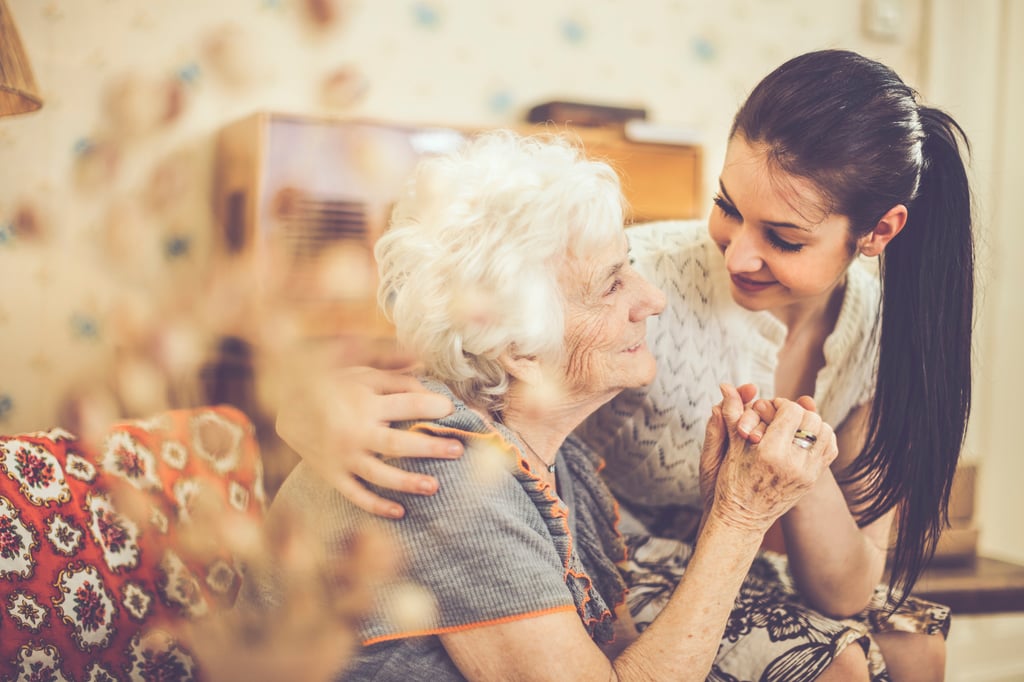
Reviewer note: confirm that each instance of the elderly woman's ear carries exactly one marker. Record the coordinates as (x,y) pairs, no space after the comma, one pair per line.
(523,368)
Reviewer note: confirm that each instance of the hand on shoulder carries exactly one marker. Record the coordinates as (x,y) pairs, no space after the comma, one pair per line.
(342,423)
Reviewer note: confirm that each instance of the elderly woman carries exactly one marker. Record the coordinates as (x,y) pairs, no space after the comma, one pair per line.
(506,271)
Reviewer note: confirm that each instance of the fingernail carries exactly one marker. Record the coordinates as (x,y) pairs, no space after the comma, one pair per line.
(394,512)
(427,486)
(454,449)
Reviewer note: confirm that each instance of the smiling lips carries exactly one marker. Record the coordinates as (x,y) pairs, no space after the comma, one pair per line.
(750,285)
(635,347)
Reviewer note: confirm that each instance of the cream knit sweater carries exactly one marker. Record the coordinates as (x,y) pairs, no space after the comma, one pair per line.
(651,437)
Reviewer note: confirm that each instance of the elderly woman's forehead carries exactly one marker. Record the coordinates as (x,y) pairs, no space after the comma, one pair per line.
(595,259)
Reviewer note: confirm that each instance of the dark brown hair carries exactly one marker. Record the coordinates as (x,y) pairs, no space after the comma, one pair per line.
(852,127)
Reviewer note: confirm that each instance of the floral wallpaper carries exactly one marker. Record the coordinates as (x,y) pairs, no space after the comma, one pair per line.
(106,227)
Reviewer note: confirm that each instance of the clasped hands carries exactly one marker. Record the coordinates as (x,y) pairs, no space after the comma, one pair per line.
(752,471)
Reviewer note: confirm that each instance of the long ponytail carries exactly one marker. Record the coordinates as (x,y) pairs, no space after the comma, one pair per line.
(923,390)
(856,130)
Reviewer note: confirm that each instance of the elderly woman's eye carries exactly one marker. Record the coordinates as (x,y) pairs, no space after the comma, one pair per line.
(616,285)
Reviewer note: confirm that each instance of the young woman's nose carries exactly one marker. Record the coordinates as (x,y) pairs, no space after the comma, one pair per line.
(742,253)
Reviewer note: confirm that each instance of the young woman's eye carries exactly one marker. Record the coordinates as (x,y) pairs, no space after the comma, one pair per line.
(725,207)
(781,244)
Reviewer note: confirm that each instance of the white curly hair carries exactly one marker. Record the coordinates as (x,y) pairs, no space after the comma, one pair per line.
(469,265)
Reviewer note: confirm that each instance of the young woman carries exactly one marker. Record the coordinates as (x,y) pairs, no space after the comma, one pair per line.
(831,158)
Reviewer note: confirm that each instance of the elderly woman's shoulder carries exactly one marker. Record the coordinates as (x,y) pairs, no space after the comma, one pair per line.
(464,423)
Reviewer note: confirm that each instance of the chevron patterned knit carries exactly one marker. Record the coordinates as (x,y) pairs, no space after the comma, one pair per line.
(651,437)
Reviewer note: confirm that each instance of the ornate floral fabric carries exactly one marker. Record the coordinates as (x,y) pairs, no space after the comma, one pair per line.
(772,635)
(94,553)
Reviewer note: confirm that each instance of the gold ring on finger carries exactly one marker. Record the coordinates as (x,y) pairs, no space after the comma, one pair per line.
(804,439)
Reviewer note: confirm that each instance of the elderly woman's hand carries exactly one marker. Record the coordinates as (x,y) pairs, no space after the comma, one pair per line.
(756,483)
(716,441)
(341,424)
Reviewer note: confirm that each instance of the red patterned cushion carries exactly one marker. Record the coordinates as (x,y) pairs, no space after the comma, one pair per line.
(89,575)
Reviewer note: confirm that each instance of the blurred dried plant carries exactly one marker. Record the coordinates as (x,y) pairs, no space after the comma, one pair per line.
(161,334)
(310,631)
(88,411)
(346,272)
(543,396)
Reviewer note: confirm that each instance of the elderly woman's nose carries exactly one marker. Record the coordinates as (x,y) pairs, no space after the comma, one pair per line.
(650,301)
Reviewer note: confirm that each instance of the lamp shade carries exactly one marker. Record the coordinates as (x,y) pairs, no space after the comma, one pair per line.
(18,91)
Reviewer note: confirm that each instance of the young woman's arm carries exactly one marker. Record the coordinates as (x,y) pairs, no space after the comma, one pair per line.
(835,563)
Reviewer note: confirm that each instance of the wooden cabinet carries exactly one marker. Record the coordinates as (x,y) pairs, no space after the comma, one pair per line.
(660,181)
(301,200)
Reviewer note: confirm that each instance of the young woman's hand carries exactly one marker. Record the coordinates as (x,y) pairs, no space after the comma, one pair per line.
(753,430)
(342,425)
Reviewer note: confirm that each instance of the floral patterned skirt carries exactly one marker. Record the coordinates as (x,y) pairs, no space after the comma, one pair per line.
(772,635)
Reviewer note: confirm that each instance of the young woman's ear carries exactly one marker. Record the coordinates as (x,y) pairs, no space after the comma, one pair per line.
(888,226)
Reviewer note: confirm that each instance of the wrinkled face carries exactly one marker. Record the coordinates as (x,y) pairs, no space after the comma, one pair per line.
(781,246)
(607,306)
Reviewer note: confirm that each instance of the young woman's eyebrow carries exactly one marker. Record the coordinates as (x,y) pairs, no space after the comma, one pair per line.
(769,223)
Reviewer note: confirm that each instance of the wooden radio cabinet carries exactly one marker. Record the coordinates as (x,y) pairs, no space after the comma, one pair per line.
(292,190)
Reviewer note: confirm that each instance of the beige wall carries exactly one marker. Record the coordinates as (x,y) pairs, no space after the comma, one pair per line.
(977,68)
